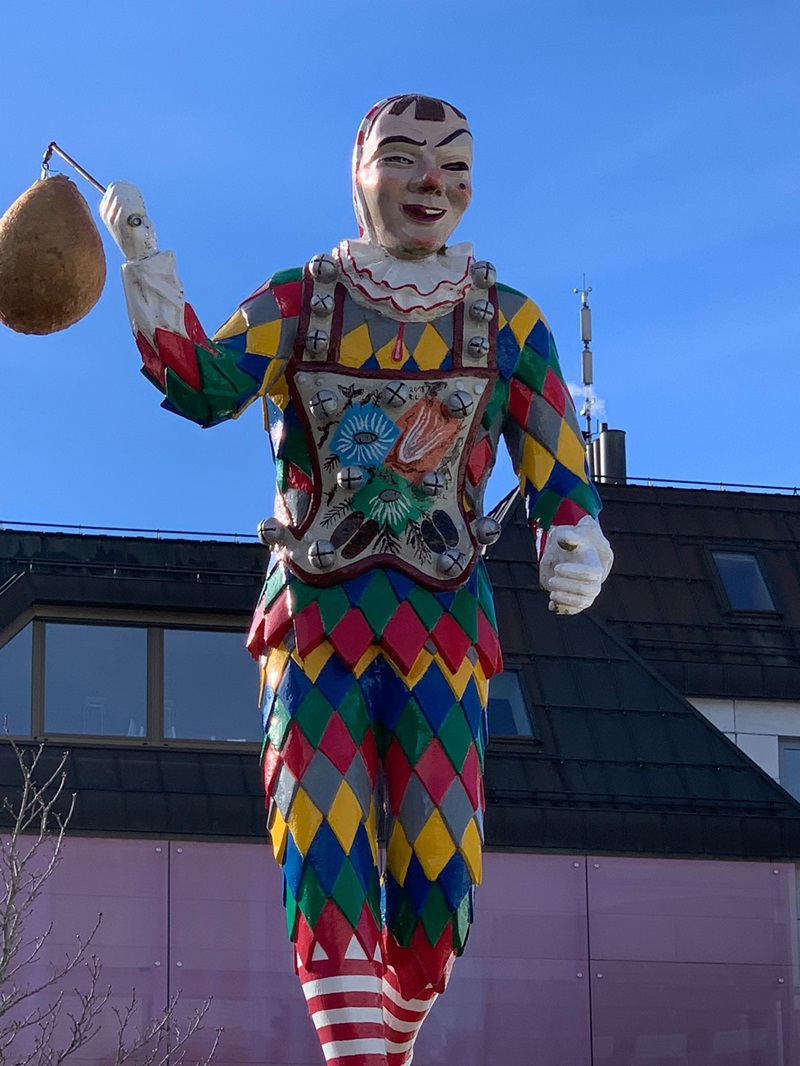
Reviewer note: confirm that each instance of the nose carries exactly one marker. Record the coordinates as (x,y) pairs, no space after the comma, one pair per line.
(431,180)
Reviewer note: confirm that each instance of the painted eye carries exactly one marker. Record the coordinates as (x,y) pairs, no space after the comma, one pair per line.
(364,436)
(455,166)
(397,159)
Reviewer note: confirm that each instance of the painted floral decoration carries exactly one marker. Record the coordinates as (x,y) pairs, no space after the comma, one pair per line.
(391,500)
(365,436)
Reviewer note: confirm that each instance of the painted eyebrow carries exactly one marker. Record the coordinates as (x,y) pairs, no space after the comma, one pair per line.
(452,137)
(401,140)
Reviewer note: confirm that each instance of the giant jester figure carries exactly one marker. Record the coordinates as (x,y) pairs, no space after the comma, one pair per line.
(388,370)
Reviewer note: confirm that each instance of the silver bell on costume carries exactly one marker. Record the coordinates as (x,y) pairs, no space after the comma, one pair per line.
(324,268)
(271,532)
(322,304)
(487,530)
(433,483)
(324,403)
(460,403)
(350,478)
(322,555)
(395,394)
(451,562)
(483,274)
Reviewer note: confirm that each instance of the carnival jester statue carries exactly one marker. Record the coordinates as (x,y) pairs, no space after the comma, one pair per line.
(388,371)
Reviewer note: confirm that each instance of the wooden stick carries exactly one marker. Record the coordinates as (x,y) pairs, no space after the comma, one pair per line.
(53,147)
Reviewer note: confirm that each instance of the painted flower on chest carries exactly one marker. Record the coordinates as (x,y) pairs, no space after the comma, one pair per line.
(364,436)
(391,500)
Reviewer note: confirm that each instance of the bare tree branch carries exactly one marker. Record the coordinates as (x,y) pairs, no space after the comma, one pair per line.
(35,1027)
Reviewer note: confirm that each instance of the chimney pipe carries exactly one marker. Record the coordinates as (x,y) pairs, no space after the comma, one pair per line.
(610,464)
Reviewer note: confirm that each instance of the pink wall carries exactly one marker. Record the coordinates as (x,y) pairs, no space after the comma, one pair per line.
(574,961)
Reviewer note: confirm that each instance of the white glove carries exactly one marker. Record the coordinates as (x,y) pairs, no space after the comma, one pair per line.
(575,563)
(123,211)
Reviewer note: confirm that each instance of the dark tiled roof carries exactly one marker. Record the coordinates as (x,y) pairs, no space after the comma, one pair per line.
(664,601)
(625,764)
(621,763)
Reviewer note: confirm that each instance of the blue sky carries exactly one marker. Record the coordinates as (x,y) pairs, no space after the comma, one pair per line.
(654,147)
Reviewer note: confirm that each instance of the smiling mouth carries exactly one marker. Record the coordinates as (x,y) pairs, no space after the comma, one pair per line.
(419,213)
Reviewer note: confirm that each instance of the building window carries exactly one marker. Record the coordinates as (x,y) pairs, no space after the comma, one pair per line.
(790,765)
(15,682)
(95,680)
(210,687)
(509,715)
(743,581)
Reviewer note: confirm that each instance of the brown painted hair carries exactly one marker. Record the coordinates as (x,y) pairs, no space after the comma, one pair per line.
(426,108)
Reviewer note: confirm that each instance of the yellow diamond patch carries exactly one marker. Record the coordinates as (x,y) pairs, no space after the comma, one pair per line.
(430,351)
(304,820)
(434,846)
(345,816)
(355,347)
(399,854)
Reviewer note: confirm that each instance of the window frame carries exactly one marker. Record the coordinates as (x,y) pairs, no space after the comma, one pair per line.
(154,622)
(763,613)
(515,740)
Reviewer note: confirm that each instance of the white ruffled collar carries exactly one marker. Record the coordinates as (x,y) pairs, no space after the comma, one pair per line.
(407,290)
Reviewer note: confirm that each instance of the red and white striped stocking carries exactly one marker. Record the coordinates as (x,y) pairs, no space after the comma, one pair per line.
(345,1002)
(403,1019)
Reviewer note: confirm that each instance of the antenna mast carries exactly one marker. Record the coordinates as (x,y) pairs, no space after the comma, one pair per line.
(587,368)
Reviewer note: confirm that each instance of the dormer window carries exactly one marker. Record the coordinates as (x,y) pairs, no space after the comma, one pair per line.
(509,714)
(743,581)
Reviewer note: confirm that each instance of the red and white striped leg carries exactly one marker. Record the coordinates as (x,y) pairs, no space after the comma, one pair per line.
(403,1018)
(345,1002)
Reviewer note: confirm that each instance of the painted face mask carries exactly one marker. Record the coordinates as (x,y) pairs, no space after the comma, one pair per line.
(412,174)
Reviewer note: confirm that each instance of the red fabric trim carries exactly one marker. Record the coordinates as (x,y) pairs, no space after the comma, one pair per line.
(179,355)
(569,513)
(553,392)
(519,402)
(151,359)
(194,331)
(288,298)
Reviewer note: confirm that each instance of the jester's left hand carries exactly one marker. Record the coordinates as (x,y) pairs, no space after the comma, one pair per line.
(575,563)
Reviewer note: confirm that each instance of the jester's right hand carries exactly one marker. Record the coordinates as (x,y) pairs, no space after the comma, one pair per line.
(123,211)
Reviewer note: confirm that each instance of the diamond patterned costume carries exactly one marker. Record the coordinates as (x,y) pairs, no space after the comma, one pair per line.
(375,685)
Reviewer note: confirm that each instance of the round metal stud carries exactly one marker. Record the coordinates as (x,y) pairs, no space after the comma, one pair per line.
(433,483)
(271,532)
(350,478)
(482,311)
(316,341)
(460,403)
(395,394)
(324,268)
(451,562)
(483,274)
(478,347)
(487,530)
(322,304)
(322,555)
(324,403)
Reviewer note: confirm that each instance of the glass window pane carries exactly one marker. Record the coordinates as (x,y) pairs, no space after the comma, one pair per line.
(790,768)
(210,687)
(95,680)
(743,581)
(15,682)
(508,709)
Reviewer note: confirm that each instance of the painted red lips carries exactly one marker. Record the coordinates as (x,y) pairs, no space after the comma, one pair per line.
(420,213)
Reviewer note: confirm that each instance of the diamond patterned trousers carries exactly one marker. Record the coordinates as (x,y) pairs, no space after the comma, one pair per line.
(375,802)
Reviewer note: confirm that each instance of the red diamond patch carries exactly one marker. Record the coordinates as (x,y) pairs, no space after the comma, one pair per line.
(404,637)
(351,637)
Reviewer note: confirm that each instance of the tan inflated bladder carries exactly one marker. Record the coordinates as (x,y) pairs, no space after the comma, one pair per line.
(52,265)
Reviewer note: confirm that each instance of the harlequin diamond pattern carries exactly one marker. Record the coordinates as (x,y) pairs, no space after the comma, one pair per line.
(321,769)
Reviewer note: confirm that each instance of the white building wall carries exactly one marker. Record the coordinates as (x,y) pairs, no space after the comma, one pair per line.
(756,726)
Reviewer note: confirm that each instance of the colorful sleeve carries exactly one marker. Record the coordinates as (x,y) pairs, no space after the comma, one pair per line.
(211,379)
(540,425)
